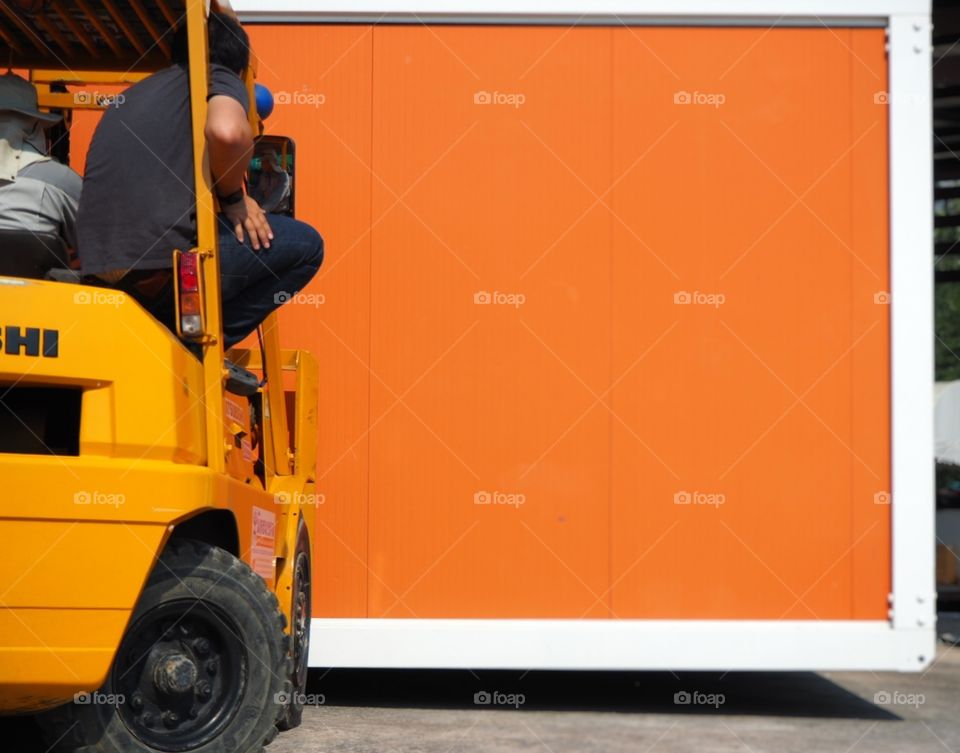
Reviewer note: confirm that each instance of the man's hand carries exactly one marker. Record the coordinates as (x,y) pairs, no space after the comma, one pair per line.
(247,215)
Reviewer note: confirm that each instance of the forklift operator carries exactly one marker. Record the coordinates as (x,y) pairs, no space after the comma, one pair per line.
(138,202)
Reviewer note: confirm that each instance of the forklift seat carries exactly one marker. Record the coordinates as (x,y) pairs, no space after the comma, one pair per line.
(27,254)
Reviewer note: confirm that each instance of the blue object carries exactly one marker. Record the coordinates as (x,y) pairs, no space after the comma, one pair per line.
(264,101)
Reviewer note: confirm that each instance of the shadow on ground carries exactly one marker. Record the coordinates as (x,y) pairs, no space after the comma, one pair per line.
(790,694)
(783,694)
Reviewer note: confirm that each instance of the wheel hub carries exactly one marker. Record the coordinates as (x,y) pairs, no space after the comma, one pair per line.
(182,672)
(175,674)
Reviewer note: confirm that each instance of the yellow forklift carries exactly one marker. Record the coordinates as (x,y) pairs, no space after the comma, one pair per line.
(154,553)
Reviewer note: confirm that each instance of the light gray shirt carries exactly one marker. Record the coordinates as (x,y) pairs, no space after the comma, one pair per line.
(43,199)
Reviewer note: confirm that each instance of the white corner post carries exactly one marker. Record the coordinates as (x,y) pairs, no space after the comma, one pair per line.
(911,312)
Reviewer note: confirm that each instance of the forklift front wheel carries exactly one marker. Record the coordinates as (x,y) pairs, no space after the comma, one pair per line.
(299,631)
(204,665)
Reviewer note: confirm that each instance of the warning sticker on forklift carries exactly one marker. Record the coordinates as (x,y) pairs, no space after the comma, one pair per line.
(233,412)
(262,542)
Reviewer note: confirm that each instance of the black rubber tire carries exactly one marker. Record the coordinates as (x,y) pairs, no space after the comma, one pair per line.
(299,647)
(192,572)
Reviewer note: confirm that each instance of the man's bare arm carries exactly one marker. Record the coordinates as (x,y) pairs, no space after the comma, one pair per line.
(230,141)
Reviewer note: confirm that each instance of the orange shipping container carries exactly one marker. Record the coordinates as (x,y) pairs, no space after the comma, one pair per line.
(623,331)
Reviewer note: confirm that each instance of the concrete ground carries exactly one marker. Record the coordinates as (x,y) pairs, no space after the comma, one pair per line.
(376,711)
(434,712)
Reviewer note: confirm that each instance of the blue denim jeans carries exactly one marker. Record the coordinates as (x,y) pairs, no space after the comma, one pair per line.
(254,283)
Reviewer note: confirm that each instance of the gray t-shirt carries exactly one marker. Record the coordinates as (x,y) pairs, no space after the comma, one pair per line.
(138,201)
(43,199)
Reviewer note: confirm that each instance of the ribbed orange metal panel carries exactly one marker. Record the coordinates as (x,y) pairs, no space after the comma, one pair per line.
(321,80)
(598,198)
(751,399)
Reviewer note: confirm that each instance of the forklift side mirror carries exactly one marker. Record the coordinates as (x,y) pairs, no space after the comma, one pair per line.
(271,181)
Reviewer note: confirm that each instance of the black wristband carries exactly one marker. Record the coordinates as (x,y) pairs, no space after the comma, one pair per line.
(235,198)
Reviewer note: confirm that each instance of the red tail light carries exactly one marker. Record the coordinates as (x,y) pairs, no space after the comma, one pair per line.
(188,294)
(189,278)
